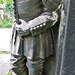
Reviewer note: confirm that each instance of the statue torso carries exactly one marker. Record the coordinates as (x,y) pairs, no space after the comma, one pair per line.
(29,9)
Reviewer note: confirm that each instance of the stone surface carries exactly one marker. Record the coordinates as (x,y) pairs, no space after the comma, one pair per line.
(4,63)
(69,47)
(5,34)
(66,43)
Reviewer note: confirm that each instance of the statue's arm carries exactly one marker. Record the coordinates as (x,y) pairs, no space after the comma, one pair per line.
(41,21)
(50,14)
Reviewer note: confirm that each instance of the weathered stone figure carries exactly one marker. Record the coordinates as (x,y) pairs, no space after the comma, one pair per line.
(32,39)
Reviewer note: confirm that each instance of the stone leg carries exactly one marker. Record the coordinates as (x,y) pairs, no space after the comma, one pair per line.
(18,64)
(35,67)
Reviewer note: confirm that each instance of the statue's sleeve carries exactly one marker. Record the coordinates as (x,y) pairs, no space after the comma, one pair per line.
(47,19)
(51,5)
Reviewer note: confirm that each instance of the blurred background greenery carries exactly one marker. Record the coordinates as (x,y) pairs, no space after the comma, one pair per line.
(6,13)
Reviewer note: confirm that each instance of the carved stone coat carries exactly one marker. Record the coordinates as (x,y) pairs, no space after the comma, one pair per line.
(38,46)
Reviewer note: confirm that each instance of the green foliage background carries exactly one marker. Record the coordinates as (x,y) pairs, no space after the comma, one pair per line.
(8,1)
(8,8)
(1,1)
(6,24)
(8,5)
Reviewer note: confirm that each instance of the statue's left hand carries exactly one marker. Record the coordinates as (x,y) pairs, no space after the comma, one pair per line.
(23,26)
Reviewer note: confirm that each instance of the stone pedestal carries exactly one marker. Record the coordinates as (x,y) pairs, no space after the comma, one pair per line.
(65,56)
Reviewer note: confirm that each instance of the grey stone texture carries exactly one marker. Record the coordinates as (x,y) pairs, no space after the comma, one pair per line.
(65,55)
(4,63)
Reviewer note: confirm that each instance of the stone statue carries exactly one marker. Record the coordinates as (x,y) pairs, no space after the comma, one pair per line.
(32,38)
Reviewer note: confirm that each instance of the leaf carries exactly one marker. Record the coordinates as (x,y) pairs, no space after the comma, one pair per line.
(1,1)
(9,73)
(9,1)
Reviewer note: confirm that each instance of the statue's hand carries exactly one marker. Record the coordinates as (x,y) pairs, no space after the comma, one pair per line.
(37,25)
(41,20)
(23,26)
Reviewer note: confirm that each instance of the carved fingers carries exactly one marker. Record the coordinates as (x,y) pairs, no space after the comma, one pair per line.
(37,21)
(38,26)
(40,21)
(23,26)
